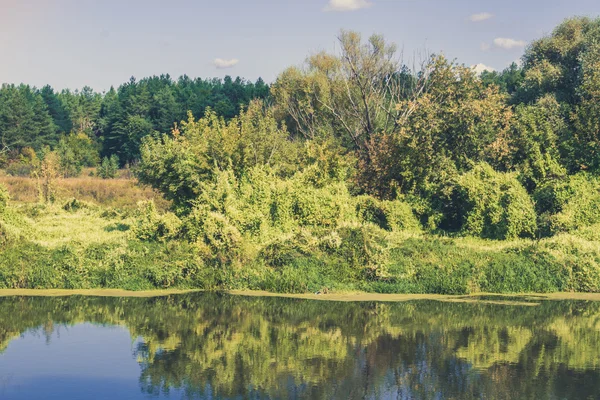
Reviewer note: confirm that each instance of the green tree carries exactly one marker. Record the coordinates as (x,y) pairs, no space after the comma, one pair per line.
(178,164)
(109,167)
(75,151)
(455,121)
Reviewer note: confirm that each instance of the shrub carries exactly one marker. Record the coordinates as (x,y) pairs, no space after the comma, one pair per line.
(568,204)
(216,237)
(4,198)
(284,250)
(20,169)
(316,207)
(364,247)
(73,205)
(490,204)
(389,215)
(152,226)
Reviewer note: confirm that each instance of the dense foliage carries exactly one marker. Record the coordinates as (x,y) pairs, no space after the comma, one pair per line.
(114,121)
(355,158)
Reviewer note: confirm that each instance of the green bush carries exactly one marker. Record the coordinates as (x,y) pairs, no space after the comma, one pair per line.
(74,205)
(389,215)
(316,207)
(490,204)
(365,249)
(20,169)
(568,204)
(4,198)
(284,250)
(215,236)
(152,226)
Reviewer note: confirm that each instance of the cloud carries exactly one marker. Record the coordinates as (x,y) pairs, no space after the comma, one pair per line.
(479,68)
(223,64)
(506,43)
(347,5)
(480,17)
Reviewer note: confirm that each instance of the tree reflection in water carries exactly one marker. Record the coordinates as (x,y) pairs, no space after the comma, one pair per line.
(222,346)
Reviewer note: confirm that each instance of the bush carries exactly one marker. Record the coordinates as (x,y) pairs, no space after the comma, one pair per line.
(4,198)
(152,226)
(389,215)
(365,249)
(216,237)
(568,204)
(284,250)
(490,204)
(316,207)
(20,169)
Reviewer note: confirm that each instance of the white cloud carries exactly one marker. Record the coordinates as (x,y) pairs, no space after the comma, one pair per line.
(222,64)
(479,68)
(508,44)
(485,46)
(347,5)
(480,17)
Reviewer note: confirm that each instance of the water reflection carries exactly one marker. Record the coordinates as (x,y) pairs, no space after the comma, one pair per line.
(221,346)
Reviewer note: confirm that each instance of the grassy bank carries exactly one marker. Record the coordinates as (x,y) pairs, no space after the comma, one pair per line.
(76,245)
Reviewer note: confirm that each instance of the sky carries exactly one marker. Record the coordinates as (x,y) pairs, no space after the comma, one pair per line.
(100,43)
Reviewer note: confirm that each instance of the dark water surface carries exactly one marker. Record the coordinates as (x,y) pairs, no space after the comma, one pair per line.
(211,346)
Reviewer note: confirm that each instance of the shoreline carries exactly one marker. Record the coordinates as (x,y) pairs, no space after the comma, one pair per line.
(515,298)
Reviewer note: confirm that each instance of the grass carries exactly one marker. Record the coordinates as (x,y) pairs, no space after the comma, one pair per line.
(116,193)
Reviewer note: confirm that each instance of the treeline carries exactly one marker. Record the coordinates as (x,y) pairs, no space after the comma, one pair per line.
(85,125)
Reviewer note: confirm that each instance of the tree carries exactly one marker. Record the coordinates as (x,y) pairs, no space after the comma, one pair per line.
(455,121)
(75,151)
(178,164)
(509,80)
(532,144)
(56,109)
(24,119)
(109,167)
(565,65)
(357,94)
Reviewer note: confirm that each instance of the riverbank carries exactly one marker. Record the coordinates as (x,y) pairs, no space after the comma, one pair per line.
(522,299)
(79,245)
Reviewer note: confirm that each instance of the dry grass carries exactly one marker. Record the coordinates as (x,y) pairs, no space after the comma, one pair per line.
(118,193)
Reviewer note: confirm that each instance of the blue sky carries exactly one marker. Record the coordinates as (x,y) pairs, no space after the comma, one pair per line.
(99,43)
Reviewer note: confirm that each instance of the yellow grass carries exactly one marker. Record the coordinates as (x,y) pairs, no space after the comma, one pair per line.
(57,227)
(119,193)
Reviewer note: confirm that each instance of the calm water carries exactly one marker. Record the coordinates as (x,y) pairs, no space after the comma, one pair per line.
(210,346)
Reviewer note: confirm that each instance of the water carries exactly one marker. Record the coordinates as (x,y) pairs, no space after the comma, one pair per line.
(210,346)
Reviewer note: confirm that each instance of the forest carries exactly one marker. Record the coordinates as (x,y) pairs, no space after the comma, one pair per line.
(352,171)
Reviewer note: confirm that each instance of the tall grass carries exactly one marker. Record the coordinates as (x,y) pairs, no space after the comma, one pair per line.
(116,193)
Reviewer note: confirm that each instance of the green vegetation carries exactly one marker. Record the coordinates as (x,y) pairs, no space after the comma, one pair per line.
(358,174)
(84,125)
